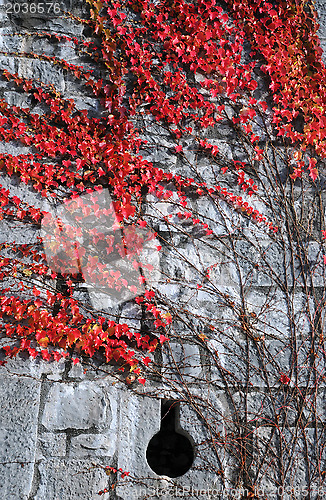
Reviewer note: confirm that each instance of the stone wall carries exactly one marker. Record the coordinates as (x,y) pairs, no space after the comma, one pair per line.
(62,424)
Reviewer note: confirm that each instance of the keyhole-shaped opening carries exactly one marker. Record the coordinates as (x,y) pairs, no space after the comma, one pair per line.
(170,452)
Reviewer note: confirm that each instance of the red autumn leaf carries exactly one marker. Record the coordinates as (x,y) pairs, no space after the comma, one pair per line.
(312,169)
(146,360)
(56,355)
(313,174)
(33,352)
(284,379)
(46,355)
(128,210)
(264,105)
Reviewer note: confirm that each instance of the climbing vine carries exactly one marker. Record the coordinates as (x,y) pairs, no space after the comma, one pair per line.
(208,143)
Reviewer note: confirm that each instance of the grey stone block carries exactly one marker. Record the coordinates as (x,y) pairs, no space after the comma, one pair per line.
(76,406)
(51,445)
(16,480)
(19,397)
(94,445)
(70,480)
(34,368)
(182,363)
(139,420)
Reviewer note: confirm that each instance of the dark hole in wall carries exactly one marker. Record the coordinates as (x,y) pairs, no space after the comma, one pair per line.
(298,123)
(170,452)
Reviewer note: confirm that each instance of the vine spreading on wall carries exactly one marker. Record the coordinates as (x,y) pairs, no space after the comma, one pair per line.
(209,140)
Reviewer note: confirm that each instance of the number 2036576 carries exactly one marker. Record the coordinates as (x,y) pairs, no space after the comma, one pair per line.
(46,8)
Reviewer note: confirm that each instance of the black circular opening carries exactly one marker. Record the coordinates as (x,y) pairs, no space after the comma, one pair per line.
(170,452)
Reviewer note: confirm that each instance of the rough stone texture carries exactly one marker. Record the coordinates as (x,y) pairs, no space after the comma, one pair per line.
(69,479)
(19,402)
(321,10)
(93,445)
(187,358)
(19,420)
(51,445)
(76,406)
(140,420)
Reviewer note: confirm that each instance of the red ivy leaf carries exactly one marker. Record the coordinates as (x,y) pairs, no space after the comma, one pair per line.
(284,379)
